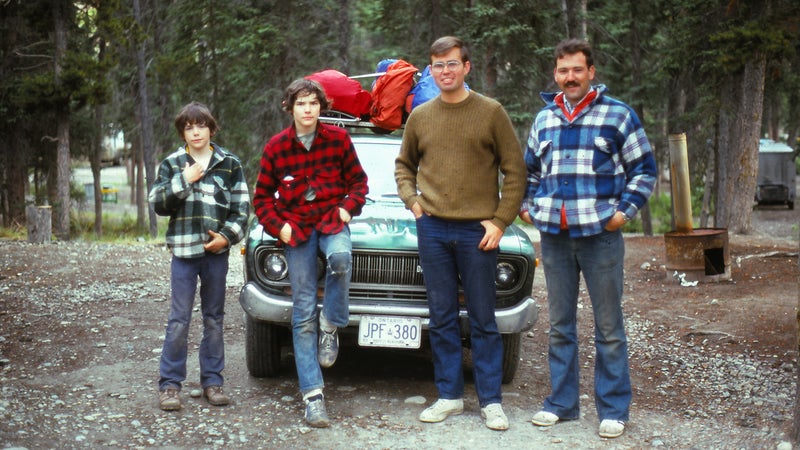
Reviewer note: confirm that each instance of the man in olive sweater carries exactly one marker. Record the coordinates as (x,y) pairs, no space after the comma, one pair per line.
(447,175)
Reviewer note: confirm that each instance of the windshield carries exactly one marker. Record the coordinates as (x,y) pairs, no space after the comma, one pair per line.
(377,159)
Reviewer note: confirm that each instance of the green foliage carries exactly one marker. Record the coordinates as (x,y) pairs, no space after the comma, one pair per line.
(14,233)
(664,57)
(661,212)
(753,39)
(117,227)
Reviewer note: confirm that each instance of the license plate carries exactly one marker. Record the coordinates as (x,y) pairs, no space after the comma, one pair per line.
(389,331)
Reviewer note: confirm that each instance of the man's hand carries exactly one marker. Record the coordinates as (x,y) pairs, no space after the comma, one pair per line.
(417,210)
(217,242)
(491,239)
(193,172)
(286,233)
(618,220)
(526,216)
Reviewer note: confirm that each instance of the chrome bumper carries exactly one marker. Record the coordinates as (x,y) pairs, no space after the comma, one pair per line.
(278,309)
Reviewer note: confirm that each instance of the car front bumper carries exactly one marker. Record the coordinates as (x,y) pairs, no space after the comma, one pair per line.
(272,308)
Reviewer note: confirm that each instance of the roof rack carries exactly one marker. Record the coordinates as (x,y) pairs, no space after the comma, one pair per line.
(344,120)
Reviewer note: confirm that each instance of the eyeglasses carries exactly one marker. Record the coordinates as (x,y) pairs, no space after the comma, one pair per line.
(451,65)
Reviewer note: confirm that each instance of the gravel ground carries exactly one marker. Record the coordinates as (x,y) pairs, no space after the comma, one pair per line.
(81,326)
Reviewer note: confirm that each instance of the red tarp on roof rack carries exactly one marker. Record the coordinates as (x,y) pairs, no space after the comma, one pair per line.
(345,94)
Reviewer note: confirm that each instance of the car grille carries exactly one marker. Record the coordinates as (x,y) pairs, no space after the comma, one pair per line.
(382,275)
(396,276)
(387,269)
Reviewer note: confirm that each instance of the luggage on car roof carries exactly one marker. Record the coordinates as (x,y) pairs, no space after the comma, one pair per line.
(389,95)
(346,95)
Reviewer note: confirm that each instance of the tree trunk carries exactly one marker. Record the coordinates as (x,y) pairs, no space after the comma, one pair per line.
(39,224)
(148,143)
(95,163)
(136,190)
(741,100)
(62,204)
(13,171)
(345,31)
(705,212)
(574,12)
(16,179)
(793,124)
(436,19)
(636,82)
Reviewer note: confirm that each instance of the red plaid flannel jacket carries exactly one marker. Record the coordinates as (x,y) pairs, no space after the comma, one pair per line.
(330,169)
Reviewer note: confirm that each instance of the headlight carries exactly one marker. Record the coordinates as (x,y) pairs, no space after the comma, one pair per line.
(274,266)
(505,276)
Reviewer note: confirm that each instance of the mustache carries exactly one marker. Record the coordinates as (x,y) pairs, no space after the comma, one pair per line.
(571,84)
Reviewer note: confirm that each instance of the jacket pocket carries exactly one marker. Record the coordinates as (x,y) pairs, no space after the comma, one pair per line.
(545,155)
(603,156)
(328,183)
(291,191)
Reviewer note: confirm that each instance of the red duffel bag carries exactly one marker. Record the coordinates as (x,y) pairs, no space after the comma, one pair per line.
(345,94)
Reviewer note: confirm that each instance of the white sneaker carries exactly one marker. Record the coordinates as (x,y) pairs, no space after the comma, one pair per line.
(495,417)
(544,419)
(441,409)
(610,428)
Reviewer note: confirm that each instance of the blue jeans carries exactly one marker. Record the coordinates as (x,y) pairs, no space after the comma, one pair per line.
(302,261)
(600,258)
(212,270)
(448,252)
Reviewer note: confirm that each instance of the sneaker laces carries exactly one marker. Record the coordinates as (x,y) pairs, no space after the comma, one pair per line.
(315,405)
(327,340)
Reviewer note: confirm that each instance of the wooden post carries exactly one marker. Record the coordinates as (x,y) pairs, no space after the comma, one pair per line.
(39,224)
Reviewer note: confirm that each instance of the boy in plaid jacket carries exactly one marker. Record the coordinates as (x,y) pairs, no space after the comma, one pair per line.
(201,187)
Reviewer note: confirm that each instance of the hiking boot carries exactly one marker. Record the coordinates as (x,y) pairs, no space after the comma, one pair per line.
(216,396)
(495,417)
(440,410)
(316,416)
(328,348)
(169,400)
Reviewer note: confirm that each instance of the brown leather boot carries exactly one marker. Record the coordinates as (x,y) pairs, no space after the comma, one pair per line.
(216,396)
(169,399)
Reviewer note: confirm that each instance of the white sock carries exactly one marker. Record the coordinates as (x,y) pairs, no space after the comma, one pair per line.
(312,393)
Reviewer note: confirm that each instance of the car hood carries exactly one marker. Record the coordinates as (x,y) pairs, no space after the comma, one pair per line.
(384,224)
(387,224)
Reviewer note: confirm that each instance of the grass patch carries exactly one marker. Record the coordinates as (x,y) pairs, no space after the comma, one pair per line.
(117,227)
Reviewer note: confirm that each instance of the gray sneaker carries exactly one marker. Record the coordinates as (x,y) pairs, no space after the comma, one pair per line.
(328,348)
(316,416)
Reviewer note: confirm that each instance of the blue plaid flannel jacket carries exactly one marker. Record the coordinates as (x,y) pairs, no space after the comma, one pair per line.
(598,164)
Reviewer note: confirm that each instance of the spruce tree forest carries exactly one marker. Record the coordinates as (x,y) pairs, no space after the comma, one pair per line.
(76,75)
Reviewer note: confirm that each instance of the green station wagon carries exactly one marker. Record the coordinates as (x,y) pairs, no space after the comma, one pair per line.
(388,306)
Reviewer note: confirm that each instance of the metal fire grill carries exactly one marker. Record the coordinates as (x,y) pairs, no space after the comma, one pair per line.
(701,254)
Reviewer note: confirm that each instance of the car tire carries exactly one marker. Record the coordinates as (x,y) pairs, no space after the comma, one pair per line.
(262,348)
(511,349)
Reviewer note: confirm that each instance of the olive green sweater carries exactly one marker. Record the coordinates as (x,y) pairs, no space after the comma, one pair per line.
(451,154)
